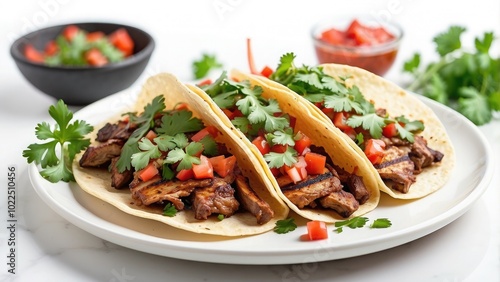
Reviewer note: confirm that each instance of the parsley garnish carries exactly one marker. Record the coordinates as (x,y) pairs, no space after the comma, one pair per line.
(466,81)
(203,66)
(179,122)
(169,210)
(277,160)
(186,157)
(69,138)
(148,151)
(358,222)
(285,225)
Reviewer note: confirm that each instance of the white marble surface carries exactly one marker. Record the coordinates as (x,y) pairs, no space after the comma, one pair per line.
(51,249)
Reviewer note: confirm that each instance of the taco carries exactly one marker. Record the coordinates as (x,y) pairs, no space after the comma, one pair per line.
(395,132)
(171,160)
(312,169)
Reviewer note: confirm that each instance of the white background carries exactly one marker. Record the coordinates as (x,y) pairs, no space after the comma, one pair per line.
(183,30)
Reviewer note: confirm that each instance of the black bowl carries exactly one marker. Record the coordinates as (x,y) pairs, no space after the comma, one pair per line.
(83,85)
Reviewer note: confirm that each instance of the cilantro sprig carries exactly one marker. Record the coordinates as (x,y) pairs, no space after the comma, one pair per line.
(202,66)
(285,225)
(68,138)
(466,80)
(360,221)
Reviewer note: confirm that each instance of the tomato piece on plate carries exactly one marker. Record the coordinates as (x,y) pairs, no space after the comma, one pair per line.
(70,32)
(94,57)
(315,163)
(33,54)
(374,150)
(222,165)
(317,230)
(148,172)
(122,40)
(204,169)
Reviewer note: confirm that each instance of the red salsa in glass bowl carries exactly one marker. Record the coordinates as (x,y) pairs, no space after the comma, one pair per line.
(365,43)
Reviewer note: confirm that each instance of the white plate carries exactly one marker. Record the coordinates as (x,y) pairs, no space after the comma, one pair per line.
(411,220)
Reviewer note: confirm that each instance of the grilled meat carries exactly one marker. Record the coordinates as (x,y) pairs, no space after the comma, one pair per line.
(120,180)
(340,201)
(102,153)
(423,156)
(251,202)
(306,192)
(120,130)
(216,198)
(352,183)
(397,167)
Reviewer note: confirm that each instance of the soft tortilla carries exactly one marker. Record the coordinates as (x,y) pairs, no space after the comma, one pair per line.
(397,102)
(337,148)
(97,182)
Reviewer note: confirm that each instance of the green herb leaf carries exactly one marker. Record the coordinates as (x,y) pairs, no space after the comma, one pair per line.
(187,157)
(203,66)
(285,225)
(381,223)
(169,210)
(68,137)
(371,122)
(474,106)
(355,222)
(449,41)
(277,160)
(412,64)
(167,142)
(179,122)
(148,151)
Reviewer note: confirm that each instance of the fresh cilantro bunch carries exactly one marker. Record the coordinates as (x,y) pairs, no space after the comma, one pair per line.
(202,66)
(65,140)
(258,114)
(319,88)
(468,81)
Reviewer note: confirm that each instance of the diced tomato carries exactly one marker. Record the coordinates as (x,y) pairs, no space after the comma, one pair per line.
(261,143)
(204,169)
(33,54)
(228,113)
(382,35)
(122,40)
(333,36)
(293,121)
(182,106)
(151,135)
(279,148)
(340,121)
(51,48)
(94,36)
(302,142)
(294,174)
(222,165)
(317,230)
(70,31)
(275,171)
(94,57)
(207,81)
(315,163)
(266,71)
(185,174)
(148,172)
(390,130)
(212,130)
(374,150)
(329,112)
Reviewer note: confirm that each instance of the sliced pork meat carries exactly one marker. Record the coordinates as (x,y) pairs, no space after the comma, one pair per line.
(251,202)
(314,187)
(120,130)
(397,167)
(352,183)
(340,201)
(120,180)
(102,153)
(423,156)
(217,198)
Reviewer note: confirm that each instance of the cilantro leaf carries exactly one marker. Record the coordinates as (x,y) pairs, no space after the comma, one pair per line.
(412,64)
(68,137)
(169,210)
(381,223)
(167,142)
(277,160)
(281,137)
(371,122)
(286,70)
(355,222)
(474,106)
(449,41)
(186,157)
(148,151)
(179,122)
(483,46)
(203,66)
(285,225)
(210,147)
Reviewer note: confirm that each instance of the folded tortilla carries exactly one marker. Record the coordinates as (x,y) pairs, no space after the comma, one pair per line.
(337,147)
(97,182)
(397,101)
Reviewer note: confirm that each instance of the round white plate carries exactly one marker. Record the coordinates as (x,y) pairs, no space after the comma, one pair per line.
(410,219)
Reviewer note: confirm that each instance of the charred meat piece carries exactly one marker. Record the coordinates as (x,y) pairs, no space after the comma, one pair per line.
(340,201)
(120,130)
(397,167)
(357,188)
(305,192)
(251,202)
(120,180)
(216,198)
(423,156)
(102,153)
(158,190)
